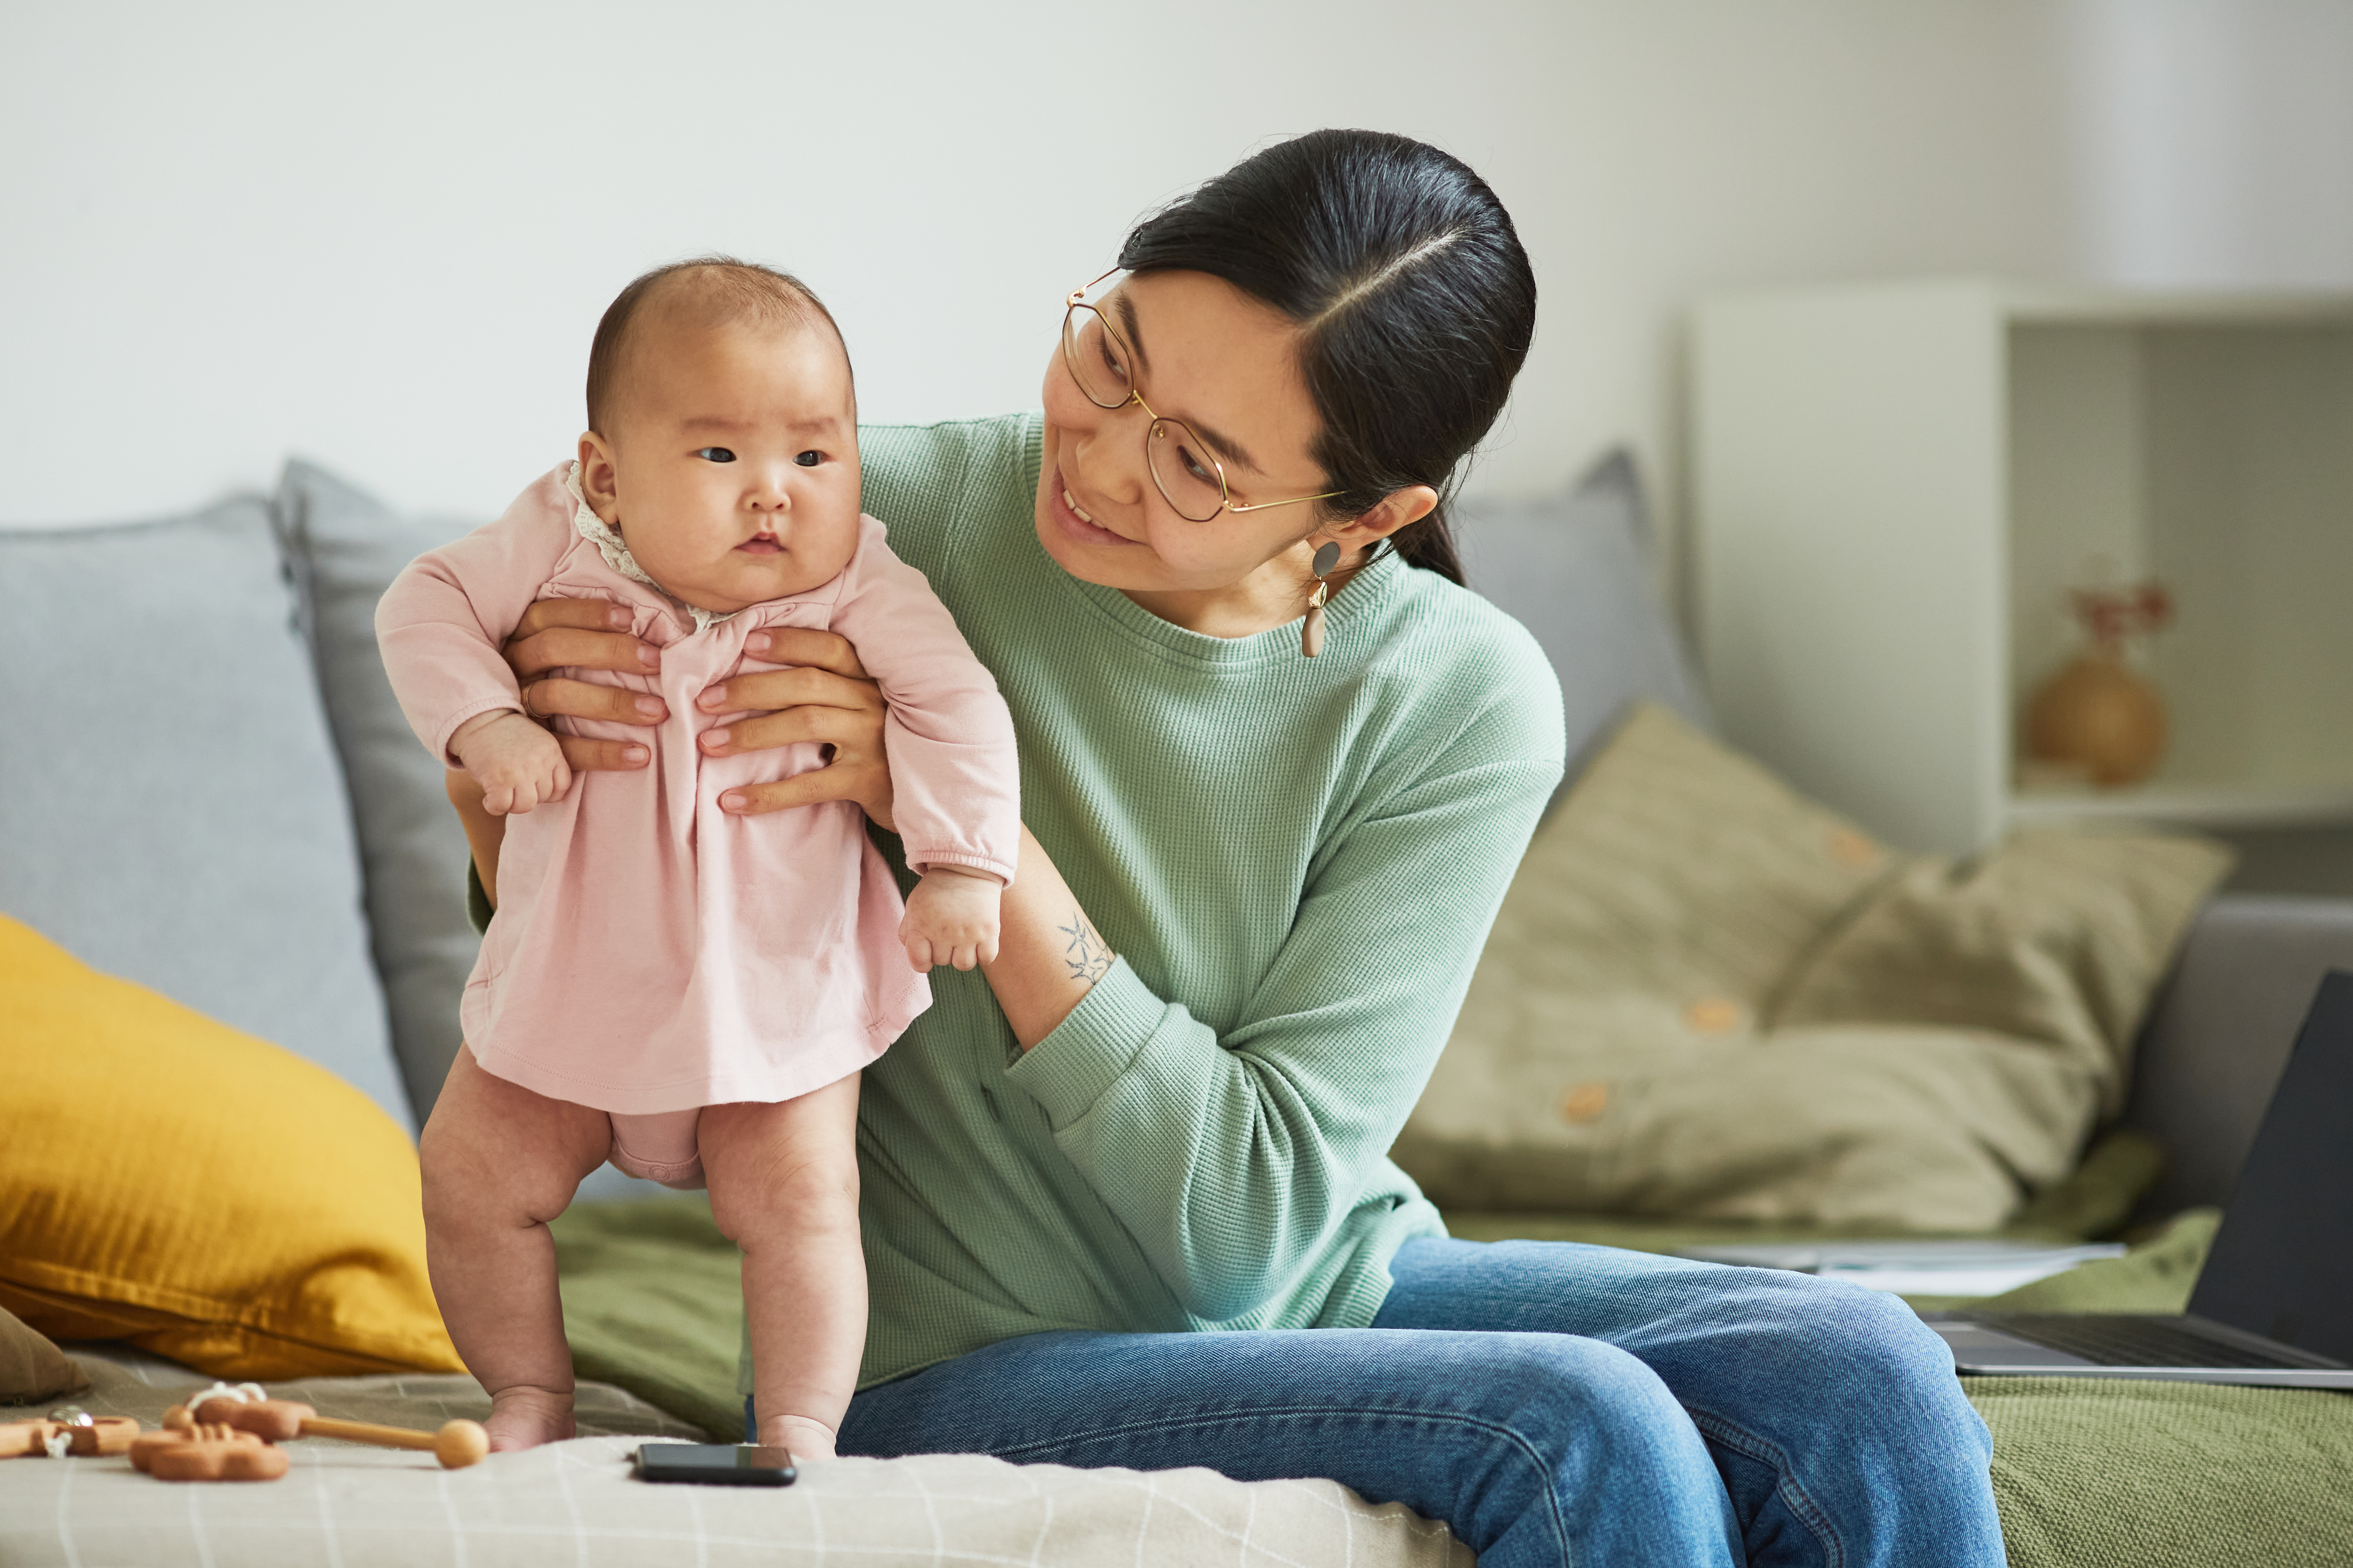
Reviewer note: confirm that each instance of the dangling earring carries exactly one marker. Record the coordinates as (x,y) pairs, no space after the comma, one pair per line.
(1311,634)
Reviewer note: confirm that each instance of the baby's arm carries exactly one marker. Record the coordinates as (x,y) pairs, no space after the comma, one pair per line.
(439,627)
(954,776)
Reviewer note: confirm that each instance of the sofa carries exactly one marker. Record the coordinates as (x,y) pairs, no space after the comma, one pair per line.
(206,789)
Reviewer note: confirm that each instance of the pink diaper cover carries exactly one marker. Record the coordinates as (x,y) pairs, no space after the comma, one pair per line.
(660,1147)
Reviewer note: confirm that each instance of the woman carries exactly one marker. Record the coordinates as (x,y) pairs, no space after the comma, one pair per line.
(1252,892)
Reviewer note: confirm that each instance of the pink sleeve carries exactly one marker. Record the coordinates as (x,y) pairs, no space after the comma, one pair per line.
(954,776)
(441,623)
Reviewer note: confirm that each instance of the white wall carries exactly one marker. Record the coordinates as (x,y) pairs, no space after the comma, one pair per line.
(2214,141)
(381,235)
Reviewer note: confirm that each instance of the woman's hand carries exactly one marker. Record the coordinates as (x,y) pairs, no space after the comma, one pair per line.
(824,697)
(587,633)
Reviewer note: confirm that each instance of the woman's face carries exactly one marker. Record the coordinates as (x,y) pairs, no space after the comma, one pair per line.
(1227,365)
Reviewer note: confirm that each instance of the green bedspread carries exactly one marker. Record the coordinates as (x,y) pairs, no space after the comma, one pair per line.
(2088,1473)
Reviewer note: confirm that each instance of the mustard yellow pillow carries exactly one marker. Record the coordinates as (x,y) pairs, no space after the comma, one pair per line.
(203,1194)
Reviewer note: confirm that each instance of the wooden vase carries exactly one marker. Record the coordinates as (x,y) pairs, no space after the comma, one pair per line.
(2101,715)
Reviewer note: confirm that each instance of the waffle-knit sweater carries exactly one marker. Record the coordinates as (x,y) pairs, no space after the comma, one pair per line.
(1296,860)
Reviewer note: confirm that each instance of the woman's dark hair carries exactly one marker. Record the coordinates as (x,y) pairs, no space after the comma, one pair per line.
(1414,300)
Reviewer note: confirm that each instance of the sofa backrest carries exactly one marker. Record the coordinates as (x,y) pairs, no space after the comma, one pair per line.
(172,809)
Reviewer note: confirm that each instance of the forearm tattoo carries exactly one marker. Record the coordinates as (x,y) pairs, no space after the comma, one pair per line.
(1084,953)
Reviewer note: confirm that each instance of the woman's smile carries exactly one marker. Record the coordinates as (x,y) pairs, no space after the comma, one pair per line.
(1082,529)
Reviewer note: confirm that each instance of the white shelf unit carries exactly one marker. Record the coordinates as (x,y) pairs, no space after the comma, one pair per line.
(1894,485)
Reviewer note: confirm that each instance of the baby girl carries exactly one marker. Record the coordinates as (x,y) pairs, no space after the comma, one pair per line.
(688,992)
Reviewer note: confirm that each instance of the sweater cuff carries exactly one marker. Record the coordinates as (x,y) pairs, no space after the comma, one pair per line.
(1089,1051)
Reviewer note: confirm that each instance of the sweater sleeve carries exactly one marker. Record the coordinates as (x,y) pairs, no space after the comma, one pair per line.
(441,623)
(955,776)
(1233,1161)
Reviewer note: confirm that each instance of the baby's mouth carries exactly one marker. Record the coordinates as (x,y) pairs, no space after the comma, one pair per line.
(761,544)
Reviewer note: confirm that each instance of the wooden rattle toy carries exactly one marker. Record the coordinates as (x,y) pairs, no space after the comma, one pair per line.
(207,1451)
(68,1429)
(457,1445)
(19,1439)
(87,1434)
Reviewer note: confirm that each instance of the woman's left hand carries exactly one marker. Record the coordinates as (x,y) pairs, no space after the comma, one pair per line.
(824,697)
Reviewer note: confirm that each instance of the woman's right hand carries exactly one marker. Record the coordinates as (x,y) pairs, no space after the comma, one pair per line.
(588,634)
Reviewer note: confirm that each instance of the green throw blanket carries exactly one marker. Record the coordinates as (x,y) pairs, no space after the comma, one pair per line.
(2088,1473)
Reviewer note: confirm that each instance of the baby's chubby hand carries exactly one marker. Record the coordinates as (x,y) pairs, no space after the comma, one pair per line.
(952,918)
(518,764)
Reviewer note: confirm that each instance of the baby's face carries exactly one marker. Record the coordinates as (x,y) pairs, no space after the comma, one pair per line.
(731,467)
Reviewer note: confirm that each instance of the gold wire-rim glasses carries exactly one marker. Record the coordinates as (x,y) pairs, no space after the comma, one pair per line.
(1158,428)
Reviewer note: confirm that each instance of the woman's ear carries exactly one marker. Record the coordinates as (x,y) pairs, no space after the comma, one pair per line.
(1397,510)
(599,481)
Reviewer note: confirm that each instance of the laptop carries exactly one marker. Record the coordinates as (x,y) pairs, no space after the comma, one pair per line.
(2275,1304)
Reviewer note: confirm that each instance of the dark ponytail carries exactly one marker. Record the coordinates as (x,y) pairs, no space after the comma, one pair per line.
(1415,302)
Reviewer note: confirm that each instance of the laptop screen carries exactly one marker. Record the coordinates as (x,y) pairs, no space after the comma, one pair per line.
(2283,1261)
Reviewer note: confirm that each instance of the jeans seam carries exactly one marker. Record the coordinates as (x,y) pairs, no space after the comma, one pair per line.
(1742,1441)
(1526,1449)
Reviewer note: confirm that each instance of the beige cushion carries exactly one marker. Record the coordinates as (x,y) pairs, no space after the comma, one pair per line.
(31,1368)
(1706,997)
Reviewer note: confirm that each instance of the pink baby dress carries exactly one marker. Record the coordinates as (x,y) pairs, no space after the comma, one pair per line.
(652,953)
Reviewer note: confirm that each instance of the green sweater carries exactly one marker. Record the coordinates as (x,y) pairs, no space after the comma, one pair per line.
(1297,861)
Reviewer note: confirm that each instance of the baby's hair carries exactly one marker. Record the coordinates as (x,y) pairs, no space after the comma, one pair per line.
(721,290)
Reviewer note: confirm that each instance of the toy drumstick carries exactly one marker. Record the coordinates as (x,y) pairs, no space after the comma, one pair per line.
(457,1445)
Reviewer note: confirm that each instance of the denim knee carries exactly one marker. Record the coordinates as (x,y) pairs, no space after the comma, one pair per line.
(1868,1355)
(1539,1425)
(1566,1397)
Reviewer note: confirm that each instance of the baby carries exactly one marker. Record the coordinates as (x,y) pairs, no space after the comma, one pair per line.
(688,992)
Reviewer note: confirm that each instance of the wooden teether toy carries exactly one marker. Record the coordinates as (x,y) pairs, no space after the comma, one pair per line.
(68,1429)
(457,1445)
(87,1435)
(18,1438)
(209,1452)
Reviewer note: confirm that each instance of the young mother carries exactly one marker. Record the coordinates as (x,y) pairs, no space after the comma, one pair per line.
(1101,1171)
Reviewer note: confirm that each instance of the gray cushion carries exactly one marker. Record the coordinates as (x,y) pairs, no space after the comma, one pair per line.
(345,547)
(1579,572)
(171,808)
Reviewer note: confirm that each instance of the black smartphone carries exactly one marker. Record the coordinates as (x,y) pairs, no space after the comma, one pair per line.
(716,1464)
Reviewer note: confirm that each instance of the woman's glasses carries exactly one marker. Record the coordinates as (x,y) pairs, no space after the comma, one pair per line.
(1192,480)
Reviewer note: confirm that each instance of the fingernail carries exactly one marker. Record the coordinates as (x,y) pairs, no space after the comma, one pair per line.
(651,707)
(715,739)
(712,699)
(756,643)
(616,617)
(648,657)
(731,801)
(634,753)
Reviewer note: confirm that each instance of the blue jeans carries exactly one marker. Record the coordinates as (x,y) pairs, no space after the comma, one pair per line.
(1552,1403)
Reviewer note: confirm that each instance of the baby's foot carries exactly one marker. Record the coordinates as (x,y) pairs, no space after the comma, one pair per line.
(809,1440)
(525,1417)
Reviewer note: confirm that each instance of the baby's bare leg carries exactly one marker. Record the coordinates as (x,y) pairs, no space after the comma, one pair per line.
(783,1187)
(500,1161)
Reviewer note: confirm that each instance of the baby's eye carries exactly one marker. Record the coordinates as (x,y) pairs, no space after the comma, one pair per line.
(809,459)
(716,454)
